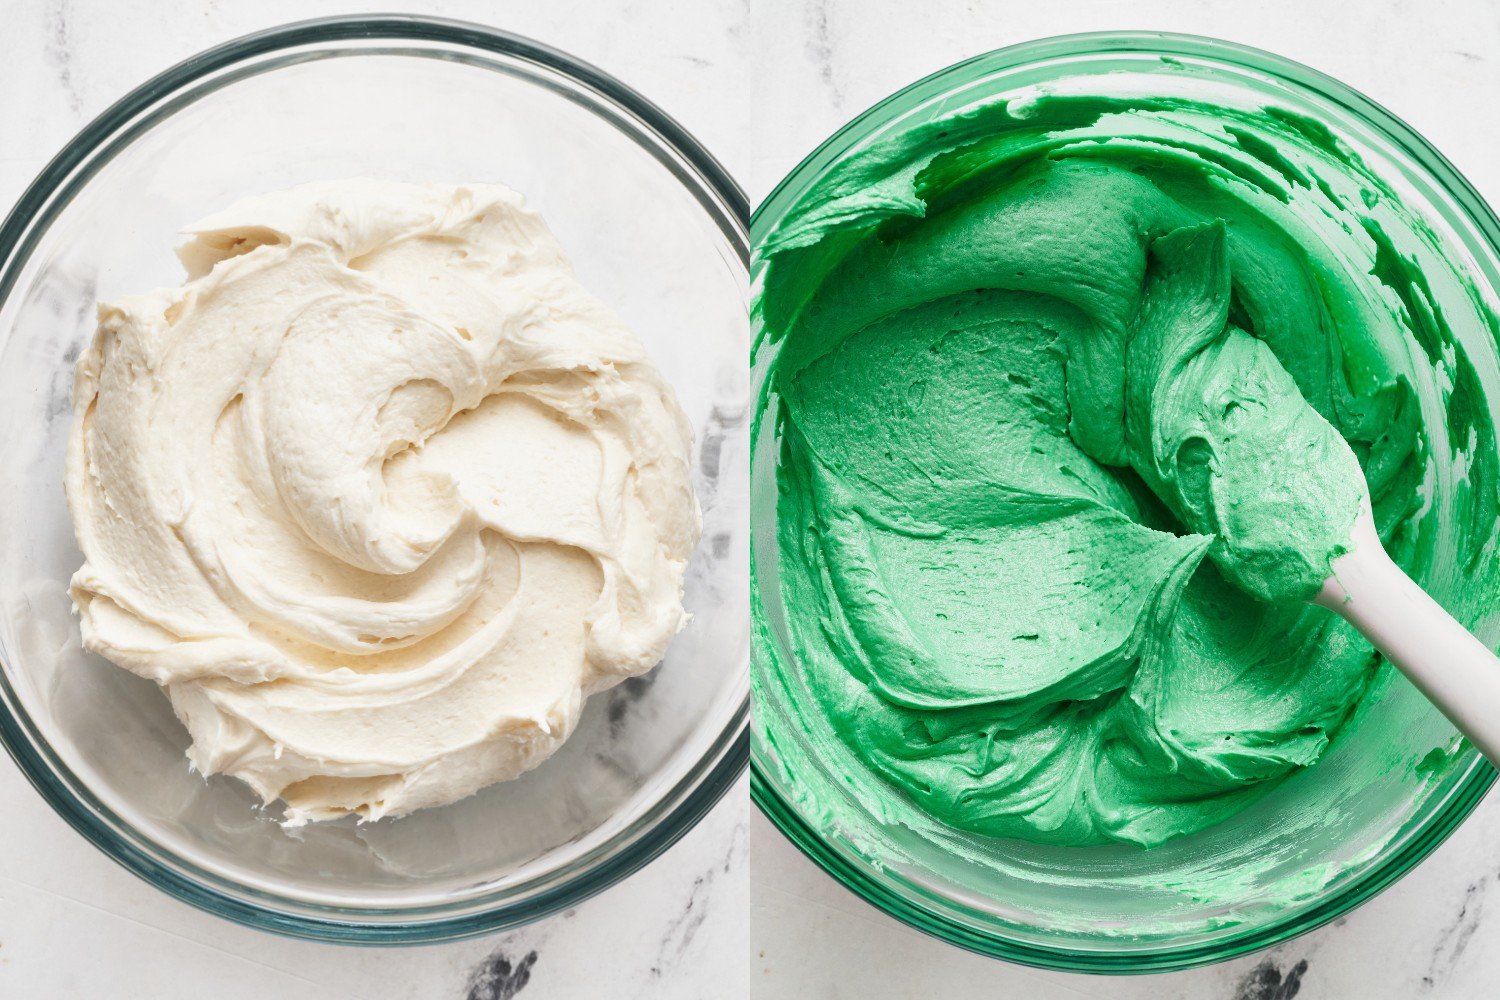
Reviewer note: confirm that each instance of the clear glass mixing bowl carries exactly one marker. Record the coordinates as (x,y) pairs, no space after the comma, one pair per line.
(655,228)
(1321,842)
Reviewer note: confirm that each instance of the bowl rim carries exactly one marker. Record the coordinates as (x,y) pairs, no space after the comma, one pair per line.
(858,876)
(624,853)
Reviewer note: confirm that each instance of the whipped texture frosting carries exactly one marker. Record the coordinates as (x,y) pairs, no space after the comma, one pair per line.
(1075,400)
(379,496)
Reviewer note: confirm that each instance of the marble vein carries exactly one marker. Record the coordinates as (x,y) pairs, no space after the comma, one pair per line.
(1455,936)
(820,47)
(1268,981)
(59,48)
(498,978)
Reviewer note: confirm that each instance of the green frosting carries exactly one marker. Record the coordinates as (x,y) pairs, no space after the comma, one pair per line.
(1073,413)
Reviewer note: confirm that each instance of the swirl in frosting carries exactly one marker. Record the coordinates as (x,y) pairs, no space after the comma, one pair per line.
(379,496)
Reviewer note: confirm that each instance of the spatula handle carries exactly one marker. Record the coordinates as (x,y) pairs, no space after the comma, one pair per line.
(1457,672)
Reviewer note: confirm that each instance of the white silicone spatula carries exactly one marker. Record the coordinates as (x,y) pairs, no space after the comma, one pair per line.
(1456,671)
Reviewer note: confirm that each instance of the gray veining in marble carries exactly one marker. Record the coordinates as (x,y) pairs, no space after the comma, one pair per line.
(59,48)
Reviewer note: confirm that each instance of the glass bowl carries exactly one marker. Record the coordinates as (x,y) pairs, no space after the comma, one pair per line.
(655,229)
(1319,843)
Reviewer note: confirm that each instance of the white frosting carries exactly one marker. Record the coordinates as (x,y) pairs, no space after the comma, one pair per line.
(379,496)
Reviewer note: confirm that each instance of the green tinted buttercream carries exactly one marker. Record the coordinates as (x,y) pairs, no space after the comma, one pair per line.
(1073,414)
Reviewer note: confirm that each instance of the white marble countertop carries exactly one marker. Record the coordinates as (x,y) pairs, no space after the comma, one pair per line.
(72,923)
(1435,64)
